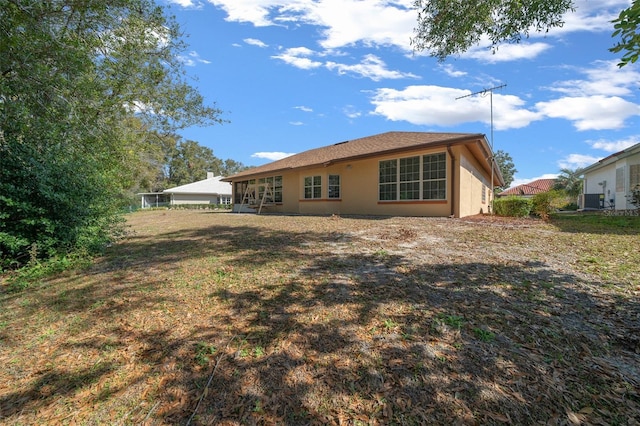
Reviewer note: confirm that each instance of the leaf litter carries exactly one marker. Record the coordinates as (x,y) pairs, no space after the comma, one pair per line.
(217,318)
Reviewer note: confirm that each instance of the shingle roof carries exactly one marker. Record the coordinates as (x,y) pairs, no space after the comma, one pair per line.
(360,148)
(532,188)
(213,185)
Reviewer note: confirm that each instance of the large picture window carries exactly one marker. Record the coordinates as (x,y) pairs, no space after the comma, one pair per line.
(413,178)
(312,187)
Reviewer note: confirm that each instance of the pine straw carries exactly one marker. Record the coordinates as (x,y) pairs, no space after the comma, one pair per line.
(330,320)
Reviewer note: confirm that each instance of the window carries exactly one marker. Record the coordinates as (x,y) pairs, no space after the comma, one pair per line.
(410,178)
(312,187)
(634,175)
(252,191)
(413,178)
(434,174)
(334,186)
(484,194)
(277,189)
(619,179)
(388,180)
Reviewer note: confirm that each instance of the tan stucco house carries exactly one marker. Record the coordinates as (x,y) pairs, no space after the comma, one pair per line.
(389,174)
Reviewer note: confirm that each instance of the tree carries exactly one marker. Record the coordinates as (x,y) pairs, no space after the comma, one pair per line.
(447,27)
(191,162)
(507,168)
(73,75)
(569,181)
(627,27)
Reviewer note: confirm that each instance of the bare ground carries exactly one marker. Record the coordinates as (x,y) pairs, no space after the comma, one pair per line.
(216,318)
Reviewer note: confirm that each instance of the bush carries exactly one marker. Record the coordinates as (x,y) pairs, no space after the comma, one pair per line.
(512,206)
(548,202)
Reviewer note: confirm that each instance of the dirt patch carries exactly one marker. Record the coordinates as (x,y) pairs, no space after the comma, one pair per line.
(216,318)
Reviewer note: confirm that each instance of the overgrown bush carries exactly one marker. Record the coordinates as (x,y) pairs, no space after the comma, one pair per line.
(548,202)
(512,206)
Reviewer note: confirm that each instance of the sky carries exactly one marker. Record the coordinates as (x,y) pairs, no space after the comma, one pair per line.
(293,75)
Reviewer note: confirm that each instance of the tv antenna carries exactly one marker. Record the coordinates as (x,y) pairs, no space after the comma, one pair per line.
(483,92)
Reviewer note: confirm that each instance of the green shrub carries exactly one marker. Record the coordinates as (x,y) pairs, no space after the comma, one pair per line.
(512,206)
(548,202)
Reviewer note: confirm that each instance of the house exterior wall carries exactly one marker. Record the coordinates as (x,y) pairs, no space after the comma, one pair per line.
(194,199)
(359,188)
(472,185)
(613,181)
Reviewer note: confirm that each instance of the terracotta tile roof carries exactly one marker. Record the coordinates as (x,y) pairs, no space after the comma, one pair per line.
(532,188)
(361,148)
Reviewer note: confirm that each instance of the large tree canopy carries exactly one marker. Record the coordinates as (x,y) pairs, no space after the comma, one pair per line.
(449,27)
(73,74)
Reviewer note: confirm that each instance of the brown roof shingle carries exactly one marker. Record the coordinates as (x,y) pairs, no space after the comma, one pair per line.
(382,143)
(532,188)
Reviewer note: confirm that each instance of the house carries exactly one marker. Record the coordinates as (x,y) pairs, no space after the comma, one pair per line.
(212,190)
(528,190)
(608,183)
(393,174)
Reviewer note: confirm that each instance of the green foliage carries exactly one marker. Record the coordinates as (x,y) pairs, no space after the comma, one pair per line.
(545,203)
(513,206)
(626,27)
(73,121)
(569,181)
(447,28)
(507,168)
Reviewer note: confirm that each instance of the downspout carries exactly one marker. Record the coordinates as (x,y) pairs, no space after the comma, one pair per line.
(453,181)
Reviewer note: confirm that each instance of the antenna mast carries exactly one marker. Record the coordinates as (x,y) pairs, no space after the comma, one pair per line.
(492,157)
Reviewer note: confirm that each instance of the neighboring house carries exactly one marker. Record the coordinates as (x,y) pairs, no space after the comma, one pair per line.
(393,174)
(608,183)
(528,190)
(211,190)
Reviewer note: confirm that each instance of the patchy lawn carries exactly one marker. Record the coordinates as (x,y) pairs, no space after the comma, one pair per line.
(220,318)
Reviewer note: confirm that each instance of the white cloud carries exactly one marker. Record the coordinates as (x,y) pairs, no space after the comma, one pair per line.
(299,58)
(443,106)
(255,42)
(451,71)
(506,52)
(614,146)
(344,22)
(192,59)
(591,112)
(603,78)
(272,155)
(391,22)
(351,112)
(296,123)
(303,108)
(187,4)
(371,67)
(575,161)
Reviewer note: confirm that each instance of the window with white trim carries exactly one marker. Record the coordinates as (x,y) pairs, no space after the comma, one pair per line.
(413,178)
(333,186)
(312,187)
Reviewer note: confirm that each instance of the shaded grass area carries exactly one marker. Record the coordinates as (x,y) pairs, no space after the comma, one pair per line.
(329,320)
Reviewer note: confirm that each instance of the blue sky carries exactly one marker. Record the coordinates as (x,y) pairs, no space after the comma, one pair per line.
(292,75)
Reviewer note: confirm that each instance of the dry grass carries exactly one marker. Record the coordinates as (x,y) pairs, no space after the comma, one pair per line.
(328,320)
